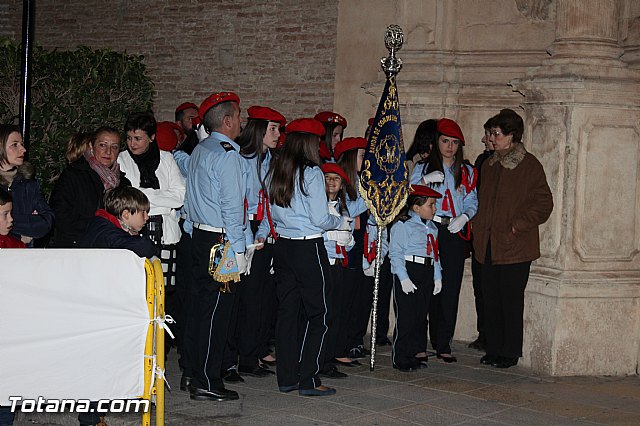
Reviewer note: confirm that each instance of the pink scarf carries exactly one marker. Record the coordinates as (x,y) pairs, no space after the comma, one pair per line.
(110,176)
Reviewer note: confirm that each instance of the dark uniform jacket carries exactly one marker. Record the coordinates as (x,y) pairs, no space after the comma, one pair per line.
(103,232)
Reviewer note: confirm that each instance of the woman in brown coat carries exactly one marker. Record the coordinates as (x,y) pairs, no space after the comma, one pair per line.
(513,201)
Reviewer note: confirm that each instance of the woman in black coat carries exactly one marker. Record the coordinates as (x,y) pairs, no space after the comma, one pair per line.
(79,192)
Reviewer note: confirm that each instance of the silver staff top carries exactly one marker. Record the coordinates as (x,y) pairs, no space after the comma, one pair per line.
(393,39)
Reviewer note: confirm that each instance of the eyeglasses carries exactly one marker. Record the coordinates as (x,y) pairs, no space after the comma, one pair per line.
(495,133)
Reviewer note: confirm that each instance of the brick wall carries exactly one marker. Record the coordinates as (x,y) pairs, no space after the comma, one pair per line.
(278,53)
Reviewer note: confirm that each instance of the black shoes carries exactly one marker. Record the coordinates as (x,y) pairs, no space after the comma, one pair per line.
(383,341)
(287,389)
(488,359)
(448,358)
(185,383)
(256,371)
(232,376)
(332,372)
(352,363)
(319,391)
(220,394)
(499,361)
(478,344)
(505,362)
(359,352)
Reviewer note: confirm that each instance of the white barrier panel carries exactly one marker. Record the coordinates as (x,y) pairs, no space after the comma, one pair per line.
(73,324)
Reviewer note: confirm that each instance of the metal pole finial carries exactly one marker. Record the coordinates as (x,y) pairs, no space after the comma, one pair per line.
(393,39)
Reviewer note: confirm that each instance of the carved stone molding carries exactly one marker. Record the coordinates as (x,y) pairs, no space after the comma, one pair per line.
(536,10)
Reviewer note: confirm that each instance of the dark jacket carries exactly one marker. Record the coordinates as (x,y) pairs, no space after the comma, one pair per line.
(27,198)
(514,194)
(102,233)
(76,197)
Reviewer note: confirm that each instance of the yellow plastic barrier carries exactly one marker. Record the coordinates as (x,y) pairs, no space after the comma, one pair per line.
(155,343)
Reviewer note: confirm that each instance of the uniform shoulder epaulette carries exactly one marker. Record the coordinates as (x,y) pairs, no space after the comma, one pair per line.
(227,146)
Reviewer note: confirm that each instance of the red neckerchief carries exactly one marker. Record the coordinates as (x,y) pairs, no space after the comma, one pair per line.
(245,207)
(343,250)
(369,254)
(263,205)
(111,218)
(432,246)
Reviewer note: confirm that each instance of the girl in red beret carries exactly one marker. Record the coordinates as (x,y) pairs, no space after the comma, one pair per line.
(415,263)
(337,244)
(446,171)
(256,310)
(334,125)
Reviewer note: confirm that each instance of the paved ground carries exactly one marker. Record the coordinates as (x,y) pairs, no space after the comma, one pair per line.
(462,393)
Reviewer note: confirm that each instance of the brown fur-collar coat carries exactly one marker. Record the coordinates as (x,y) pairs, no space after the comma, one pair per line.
(514,196)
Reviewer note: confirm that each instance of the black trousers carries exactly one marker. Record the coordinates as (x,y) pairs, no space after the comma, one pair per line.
(476,271)
(443,311)
(411,313)
(302,270)
(184,293)
(503,290)
(360,306)
(256,309)
(211,315)
(335,296)
(384,297)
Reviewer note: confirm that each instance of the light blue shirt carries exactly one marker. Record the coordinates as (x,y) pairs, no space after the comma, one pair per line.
(216,188)
(253,182)
(182,160)
(410,239)
(463,202)
(372,236)
(307,215)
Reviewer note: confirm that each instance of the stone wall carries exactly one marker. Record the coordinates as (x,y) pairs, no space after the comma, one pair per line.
(279,53)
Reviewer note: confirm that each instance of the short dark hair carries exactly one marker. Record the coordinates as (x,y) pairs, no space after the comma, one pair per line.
(124,198)
(144,121)
(488,124)
(510,123)
(5,197)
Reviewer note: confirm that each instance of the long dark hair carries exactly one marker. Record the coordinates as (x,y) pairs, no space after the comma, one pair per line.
(435,162)
(328,134)
(341,198)
(250,141)
(423,139)
(299,152)
(349,163)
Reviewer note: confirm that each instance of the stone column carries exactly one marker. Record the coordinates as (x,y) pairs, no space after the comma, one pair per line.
(582,115)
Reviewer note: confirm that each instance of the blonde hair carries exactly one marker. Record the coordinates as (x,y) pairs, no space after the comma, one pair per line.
(76,146)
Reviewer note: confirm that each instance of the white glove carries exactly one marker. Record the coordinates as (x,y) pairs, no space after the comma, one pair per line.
(408,286)
(433,177)
(343,238)
(251,250)
(333,209)
(437,287)
(457,223)
(370,271)
(346,224)
(202,133)
(241,259)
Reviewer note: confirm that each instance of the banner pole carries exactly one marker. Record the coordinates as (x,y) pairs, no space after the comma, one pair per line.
(374,309)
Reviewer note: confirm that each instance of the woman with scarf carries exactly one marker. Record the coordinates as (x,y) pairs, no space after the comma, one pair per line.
(156,174)
(79,192)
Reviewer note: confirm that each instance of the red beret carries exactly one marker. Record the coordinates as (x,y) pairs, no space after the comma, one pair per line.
(331,117)
(305,125)
(324,152)
(186,105)
(450,128)
(371,120)
(166,136)
(334,168)
(347,144)
(215,99)
(423,191)
(263,113)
